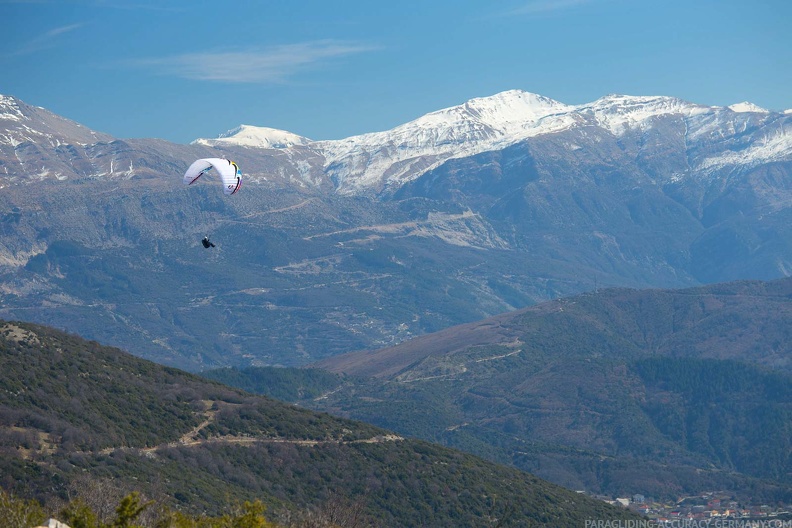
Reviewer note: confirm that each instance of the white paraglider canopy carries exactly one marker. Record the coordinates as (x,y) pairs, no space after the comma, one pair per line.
(229,172)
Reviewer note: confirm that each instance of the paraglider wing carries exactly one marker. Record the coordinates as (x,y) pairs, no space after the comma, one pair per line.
(229,172)
(234,182)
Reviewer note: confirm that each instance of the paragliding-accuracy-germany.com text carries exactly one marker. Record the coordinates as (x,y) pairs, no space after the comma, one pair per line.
(689,523)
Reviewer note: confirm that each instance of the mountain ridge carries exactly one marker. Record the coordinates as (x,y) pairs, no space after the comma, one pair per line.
(376,161)
(512,116)
(502,109)
(718,302)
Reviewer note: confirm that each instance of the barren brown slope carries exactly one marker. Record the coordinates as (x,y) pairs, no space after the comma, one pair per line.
(389,361)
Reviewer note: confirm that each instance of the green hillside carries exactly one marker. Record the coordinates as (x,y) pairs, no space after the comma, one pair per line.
(73,411)
(659,392)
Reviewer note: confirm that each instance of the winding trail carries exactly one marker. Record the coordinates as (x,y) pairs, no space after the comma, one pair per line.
(191,439)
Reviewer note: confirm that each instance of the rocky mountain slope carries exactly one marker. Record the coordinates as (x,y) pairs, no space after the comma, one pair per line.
(364,242)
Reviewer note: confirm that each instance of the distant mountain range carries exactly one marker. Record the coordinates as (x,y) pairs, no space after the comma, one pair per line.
(364,242)
(80,420)
(388,160)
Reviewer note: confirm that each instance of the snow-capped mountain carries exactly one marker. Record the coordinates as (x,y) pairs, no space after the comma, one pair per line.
(35,143)
(713,138)
(20,123)
(746,106)
(389,159)
(253,136)
(460,214)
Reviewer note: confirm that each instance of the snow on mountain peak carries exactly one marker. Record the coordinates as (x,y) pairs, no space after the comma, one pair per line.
(378,160)
(619,113)
(745,106)
(478,125)
(253,136)
(504,114)
(7,100)
(23,122)
(9,108)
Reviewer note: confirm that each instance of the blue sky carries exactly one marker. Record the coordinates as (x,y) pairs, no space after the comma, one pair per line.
(328,69)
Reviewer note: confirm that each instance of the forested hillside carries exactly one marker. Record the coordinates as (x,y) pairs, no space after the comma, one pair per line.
(72,409)
(620,391)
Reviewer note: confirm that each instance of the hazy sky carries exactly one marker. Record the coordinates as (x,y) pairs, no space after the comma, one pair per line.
(328,69)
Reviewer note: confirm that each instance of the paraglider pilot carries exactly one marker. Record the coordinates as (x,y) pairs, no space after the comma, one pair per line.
(206,242)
